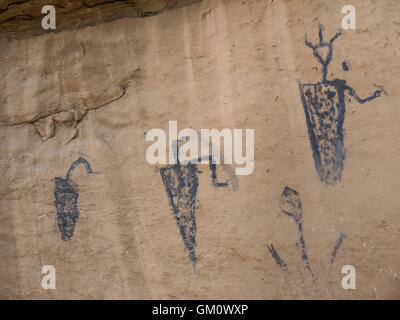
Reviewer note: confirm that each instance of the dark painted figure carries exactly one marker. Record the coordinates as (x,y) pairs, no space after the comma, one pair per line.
(66,198)
(181,184)
(291,206)
(324,107)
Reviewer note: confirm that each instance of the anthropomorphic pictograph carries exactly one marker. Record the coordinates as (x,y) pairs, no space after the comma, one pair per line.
(324,107)
(66,200)
(181,184)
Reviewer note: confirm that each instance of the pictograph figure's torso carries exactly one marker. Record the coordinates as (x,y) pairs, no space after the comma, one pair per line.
(324,107)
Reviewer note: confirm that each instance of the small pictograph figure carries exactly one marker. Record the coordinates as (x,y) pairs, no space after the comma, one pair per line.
(181,184)
(66,198)
(324,107)
(291,206)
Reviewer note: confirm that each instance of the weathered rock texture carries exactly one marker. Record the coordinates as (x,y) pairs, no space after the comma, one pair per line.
(92,89)
(22,18)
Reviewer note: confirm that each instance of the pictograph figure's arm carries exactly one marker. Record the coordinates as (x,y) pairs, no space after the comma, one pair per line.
(77,163)
(308,43)
(209,158)
(213,168)
(337,35)
(214,176)
(353,93)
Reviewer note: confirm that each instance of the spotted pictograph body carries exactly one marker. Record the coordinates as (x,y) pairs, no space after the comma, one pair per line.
(325,114)
(66,196)
(324,107)
(181,184)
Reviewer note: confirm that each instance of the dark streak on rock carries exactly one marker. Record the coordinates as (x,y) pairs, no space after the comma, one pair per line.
(83,50)
(277,258)
(339,242)
(13,4)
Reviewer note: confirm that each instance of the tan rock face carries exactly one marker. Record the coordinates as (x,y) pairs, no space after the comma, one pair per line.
(46,127)
(77,192)
(22,18)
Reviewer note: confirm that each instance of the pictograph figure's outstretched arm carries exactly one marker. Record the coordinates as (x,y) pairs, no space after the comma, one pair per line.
(353,93)
(77,163)
(308,43)
(213,168)
(337,35)
(215,182)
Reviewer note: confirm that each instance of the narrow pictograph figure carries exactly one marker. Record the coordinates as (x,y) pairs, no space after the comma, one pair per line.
(181,184)
(66,198)
(291,206)
(324,107)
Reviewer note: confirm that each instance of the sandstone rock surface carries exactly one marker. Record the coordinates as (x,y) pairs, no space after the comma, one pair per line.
(94,89)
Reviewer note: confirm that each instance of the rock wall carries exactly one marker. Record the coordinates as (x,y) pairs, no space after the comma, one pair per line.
(94,89)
